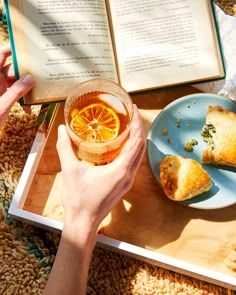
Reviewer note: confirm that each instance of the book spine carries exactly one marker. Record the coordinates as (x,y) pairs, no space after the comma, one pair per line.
(213,7)
(12,44)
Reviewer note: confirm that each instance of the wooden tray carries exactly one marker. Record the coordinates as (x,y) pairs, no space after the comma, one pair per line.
(145,224)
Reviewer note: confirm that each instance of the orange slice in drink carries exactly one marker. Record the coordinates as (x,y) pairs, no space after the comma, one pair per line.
(95,123)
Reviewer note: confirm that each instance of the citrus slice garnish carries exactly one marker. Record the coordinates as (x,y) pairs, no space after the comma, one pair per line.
(95,123)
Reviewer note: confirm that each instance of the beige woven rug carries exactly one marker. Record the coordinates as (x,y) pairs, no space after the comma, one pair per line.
(27,253)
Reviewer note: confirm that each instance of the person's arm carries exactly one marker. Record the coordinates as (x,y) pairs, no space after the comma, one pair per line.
(70,269)
(89,194)
(10,91)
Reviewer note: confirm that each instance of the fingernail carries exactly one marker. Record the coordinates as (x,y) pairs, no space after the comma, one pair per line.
(27,80)
(6,48)
(61,132)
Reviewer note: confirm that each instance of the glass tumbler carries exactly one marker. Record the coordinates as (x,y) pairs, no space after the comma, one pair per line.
(98,114)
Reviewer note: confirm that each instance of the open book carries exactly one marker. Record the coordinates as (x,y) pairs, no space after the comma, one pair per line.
(141,44)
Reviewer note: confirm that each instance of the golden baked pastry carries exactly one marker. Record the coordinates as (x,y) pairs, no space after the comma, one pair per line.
(183,178)
(220,134)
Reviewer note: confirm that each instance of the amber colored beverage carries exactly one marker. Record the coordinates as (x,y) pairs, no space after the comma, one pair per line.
(98,116)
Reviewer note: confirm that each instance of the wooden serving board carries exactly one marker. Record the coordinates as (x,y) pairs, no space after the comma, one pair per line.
(145,217)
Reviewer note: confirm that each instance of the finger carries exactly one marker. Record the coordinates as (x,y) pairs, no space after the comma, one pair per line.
(130,160)
(13,94)
(65,149)
(136,141)
(138,160)
(5,52)
(8,72)
(132,169)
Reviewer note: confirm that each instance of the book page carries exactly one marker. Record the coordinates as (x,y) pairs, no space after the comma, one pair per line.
(164,42)
(65,43)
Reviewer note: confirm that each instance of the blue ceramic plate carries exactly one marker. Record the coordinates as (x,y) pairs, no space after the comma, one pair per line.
(191,111)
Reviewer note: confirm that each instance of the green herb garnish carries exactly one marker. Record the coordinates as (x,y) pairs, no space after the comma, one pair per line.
(177,123)
(190,144)
(207,134)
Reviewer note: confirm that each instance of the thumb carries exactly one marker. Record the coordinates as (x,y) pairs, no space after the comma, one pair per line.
(65,149)
(13,94)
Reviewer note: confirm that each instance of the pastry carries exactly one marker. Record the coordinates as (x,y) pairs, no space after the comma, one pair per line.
(183,178)
(220,134)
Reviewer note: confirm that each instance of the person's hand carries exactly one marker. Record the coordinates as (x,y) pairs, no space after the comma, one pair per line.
(10,90)
(90,192)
